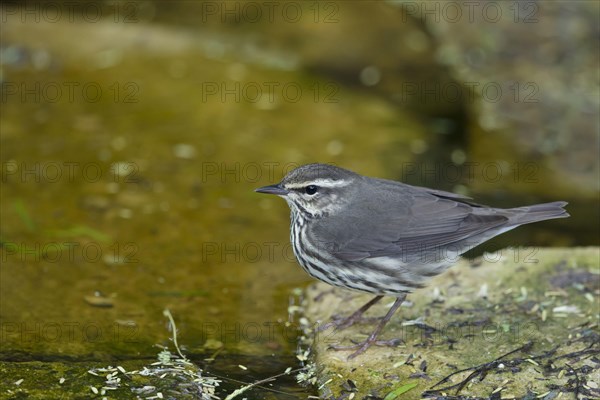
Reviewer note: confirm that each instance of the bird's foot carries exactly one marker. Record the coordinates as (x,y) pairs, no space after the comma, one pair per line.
(350,320)
(343,323)
(361,347)
(372,339)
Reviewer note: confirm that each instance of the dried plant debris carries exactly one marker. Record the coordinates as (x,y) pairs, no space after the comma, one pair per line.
(181,378)
(578,278)
(307,375)
(244,388)
(575,368)
(174,376)
(177,376)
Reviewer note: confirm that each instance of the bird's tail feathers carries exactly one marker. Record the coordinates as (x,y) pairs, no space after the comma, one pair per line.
(538,212)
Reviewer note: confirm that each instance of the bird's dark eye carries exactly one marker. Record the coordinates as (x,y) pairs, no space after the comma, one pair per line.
(311,189)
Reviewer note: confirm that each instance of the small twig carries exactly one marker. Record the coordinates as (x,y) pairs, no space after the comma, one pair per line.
(588,351)
(481,369)
(577,382)
(241,390)
(167,314)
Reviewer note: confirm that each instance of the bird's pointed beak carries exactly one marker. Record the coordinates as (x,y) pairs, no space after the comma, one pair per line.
(273,189)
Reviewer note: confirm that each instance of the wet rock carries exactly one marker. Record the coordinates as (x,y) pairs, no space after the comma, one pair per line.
(532,69)
(499,346)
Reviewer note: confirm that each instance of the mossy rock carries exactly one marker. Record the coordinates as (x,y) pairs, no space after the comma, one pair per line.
(518,323)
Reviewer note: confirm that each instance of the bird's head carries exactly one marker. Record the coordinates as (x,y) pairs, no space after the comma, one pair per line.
(315,190)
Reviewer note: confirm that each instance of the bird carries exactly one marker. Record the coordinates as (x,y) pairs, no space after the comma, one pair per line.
(385,237)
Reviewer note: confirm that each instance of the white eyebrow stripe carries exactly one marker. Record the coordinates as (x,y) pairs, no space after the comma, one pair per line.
(328,183)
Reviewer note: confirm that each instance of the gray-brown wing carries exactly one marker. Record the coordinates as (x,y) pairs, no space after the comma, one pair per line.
(403,222)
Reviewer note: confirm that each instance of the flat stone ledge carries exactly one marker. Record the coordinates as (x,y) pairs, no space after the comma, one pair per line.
(521,323)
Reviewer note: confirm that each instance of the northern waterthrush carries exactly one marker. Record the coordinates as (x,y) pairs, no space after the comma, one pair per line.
(385,237)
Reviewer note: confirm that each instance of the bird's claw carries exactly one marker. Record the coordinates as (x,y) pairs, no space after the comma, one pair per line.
(344,323)
(361,347)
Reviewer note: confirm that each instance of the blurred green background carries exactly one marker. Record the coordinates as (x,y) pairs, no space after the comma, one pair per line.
(133,135)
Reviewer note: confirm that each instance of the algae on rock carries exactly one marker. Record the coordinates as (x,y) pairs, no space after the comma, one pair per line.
(517,322)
